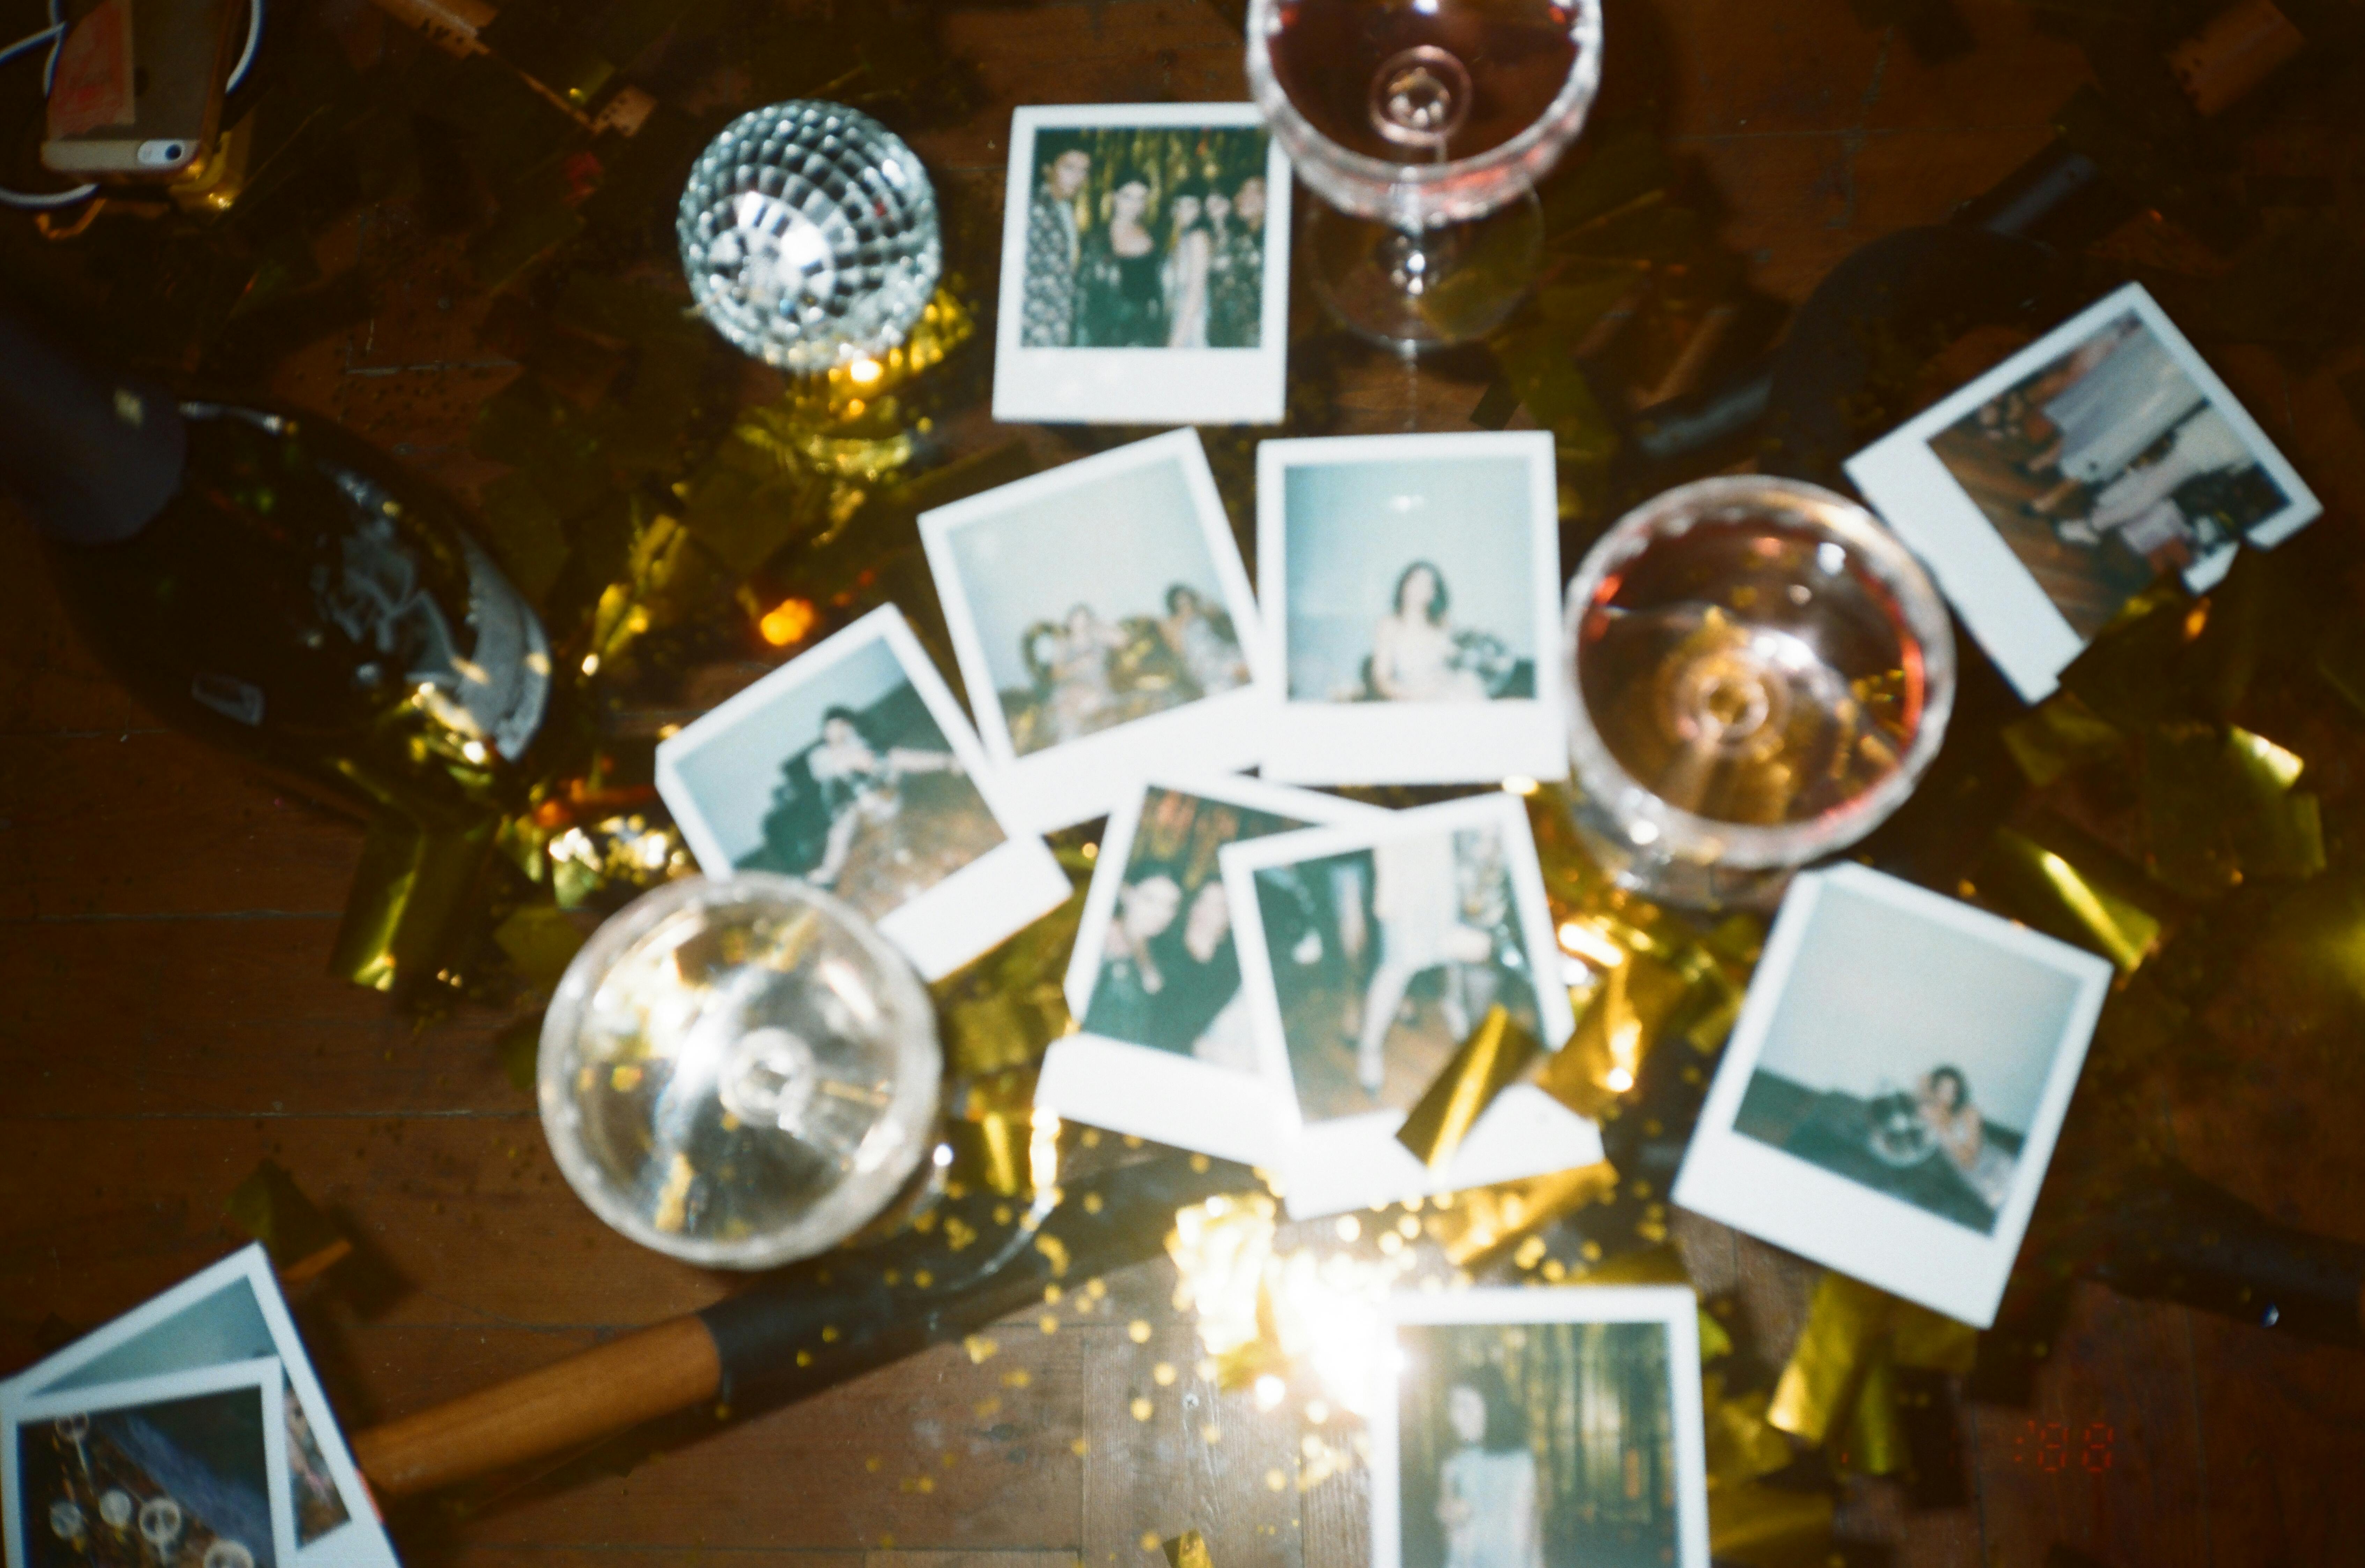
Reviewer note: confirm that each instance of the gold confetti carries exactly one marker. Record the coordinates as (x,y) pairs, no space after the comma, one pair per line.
(1530,1253)
(1049,1324)
(1162,1374)
(1138,1331)
(923,1278)
(1211,1433)
(1080,1448)
(1051,1295)
(1091,1202)
(1149,1537)
(1199,1164)
(1090,1138)
(1016,1377)
(949,1457)
(987,1408)
(872,1463)
(979,1348)
(1096,1288)
(805,1358)
(1350,1227)
(1408,1228)
(1142,1408)
(1275,1481)
(828,1334)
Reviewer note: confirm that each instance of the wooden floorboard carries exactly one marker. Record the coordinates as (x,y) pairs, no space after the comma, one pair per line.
(166,1020)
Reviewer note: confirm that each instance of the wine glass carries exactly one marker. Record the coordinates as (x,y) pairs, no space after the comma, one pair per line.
(1424,125)
(161,1523)
(1760,674)
(739,1073)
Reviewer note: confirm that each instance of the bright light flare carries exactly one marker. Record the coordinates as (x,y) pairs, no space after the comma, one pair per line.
(786,622)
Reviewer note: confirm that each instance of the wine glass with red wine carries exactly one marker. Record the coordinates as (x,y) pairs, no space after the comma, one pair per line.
(1760,674)
(1423,126)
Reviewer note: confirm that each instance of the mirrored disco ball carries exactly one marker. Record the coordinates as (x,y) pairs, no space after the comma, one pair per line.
(809,234)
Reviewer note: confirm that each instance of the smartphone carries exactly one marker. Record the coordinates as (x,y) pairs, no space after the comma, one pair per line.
(139,88)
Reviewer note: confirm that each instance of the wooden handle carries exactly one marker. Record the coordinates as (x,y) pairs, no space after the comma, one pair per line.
(607,1389)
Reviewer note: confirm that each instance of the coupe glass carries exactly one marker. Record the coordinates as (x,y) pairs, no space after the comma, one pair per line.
(1761,672)
(809,235)
(739,1073)
(1424,125)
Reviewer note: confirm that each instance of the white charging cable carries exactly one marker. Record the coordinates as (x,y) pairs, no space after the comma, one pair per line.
(54,35)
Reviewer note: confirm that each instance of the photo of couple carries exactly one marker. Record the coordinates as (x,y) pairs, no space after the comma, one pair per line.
(1088,673)
(1145,237)
(1536,1445)
(1383,959)
(2108,466)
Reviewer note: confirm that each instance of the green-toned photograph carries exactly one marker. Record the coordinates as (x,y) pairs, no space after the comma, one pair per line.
(1536,1445)
(1145,237)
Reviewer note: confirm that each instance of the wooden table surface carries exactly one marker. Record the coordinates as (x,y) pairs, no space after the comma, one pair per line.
(166,1020)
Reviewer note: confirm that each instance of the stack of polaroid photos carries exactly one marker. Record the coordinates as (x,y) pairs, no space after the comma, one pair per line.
(1265,972)
(191,1431)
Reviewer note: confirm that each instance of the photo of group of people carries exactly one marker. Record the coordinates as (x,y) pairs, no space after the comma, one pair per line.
(1146,238)
(1145,266)
(1522,1432)
(852,768)
(1085,673)
(1892,1088)
(2054,489)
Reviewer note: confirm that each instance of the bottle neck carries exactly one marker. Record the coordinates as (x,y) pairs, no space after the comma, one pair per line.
(90,456)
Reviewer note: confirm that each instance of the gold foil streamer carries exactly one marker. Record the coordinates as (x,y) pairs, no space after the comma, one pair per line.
(2069,885)
(1873,1443)
(1498,1051)
(1188,1549)
(1844,1326)
(2062,736)
(1486,1222)
(1742,1444)
(1770,1527)
(409,893)
(541,942)
(1604,1059)
(1930,1342)
(1221,1249)
(1001,1010)
(269,1206)
(2219,806)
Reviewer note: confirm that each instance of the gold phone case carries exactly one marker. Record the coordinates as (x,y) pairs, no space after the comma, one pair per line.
(139,88)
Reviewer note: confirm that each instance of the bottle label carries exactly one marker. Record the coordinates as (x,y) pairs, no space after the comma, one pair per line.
(497,689)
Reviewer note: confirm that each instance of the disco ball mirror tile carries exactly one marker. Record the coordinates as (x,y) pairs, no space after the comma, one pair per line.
(809,234)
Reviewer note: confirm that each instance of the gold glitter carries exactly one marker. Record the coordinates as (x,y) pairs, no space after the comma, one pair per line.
(1275,1481)
(1051,1294)
(923,1278)
(1096,1288)
(1015,1377)
(1142,1407)
(1162,1374)
(1091,1202)
(1138,1331)
(1408,1228)
(1049,1324)
(979,1348)
(872,1463)
(1211,1433)
(1149,1537)
(1350,1227)
(1079,1448)
(828,1334)
(987,1410)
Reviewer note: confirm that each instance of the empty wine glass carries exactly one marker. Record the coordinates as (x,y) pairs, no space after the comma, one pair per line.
(1424,125)
(161,1522)
(1760,674)
(740,1072)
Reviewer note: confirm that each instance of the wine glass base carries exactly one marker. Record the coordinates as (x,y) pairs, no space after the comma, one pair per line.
(1669,879)
(1411,289)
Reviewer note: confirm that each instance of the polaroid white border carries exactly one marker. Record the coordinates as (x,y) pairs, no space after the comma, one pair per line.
(263,1376)
(1417,743)
(1077,781)
(1150,1094)
(1148,387)
(2029,639)
(361,1541)
(1673,1307)
(1002,891)
(1352,1163)
(1884,1241)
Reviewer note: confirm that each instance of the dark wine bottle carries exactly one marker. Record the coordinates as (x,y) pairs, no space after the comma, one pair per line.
(270,582)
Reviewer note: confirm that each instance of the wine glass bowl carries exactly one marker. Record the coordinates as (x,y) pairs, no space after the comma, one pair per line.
(1760,674)
(1424,125)
(739,1073)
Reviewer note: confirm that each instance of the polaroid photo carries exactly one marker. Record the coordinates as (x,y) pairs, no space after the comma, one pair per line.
(1167,1051)
(183,1467)
(1368,953)
(1104,627)
(1410,586)
(1540,1428)
(852,768)
(1892,1090)
(1145,267)
(2054,489)
(231,1312)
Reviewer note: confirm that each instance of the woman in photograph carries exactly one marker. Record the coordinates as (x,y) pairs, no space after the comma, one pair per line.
(1124,997)
(1418,901)
(1234,277)
(1074,658)
(1207,1017)
(1203,641)
(1415,653)
(1120,283)
(1946,1110)
(1486,1493)
(1189,250)
(2205,444)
